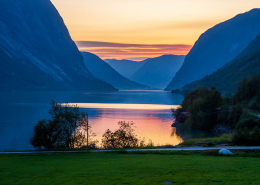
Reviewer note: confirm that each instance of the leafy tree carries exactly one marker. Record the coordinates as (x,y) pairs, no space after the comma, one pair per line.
(41,136)
(248,91)
(241,93)
(234,115)
(124,137)
(66,128)
(204,105)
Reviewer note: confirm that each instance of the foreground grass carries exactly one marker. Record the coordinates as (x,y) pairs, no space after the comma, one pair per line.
(223,138)
(116,168)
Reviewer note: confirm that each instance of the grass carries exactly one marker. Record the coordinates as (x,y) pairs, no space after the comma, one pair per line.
(223,138)
(127,168)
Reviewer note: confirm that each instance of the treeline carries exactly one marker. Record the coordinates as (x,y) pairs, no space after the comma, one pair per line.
(208,108)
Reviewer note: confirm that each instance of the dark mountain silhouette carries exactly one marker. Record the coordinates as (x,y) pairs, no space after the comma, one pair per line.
(216,47)
(158,72)
(228,77)
(37,52)
(105,72)
(125,67)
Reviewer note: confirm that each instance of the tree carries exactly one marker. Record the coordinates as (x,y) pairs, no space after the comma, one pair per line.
(124,137)
(41,136)
(204,105)
(66,128)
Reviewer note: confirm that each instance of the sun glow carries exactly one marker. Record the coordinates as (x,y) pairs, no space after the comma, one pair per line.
(149,22)
(124,106)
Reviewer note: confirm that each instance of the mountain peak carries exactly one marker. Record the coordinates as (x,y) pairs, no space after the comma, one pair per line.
(216,47)
(38,52)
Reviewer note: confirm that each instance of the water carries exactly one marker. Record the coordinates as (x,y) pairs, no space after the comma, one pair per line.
(149,110)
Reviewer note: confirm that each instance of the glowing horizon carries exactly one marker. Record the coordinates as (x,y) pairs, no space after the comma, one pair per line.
(124,106)
(145,22)
(135,52)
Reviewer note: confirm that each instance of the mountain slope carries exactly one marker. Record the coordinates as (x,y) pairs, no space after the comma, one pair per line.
(37,52)
(158,72)
(125,67)
(105,72)
(217,46)
(228,77)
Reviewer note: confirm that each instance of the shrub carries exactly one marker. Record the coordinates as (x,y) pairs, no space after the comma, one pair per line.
(124,137)
(247,131)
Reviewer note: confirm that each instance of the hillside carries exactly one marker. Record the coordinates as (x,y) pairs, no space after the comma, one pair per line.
(105,72)
(158,72)
(228,77)
(216,47)
(37,52)
(125,67)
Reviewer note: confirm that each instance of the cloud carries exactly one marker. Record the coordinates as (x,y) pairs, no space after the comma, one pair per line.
(130,51)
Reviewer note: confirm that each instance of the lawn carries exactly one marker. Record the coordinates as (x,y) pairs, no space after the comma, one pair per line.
(116,168)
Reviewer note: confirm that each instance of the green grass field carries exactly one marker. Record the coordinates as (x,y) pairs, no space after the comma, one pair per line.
(116,168)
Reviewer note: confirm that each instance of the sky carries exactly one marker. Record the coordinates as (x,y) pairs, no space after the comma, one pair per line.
(139,29)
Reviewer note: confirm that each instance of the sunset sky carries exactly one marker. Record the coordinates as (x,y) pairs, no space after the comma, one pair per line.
(138,29)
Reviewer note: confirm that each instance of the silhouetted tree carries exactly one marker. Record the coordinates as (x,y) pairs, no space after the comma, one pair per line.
(41,137)
(65,129)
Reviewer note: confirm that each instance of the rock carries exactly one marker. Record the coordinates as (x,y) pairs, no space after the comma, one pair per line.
(225,151)
(168,182)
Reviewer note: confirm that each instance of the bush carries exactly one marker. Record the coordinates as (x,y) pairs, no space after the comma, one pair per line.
(124,137)
(247,131)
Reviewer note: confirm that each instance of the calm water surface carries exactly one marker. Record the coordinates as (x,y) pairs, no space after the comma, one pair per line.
(150,110)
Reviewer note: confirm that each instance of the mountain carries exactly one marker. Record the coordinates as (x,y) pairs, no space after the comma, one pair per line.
(125,67)
(158,72)
(216,47)
(227,78)
(37,52)
(105,72)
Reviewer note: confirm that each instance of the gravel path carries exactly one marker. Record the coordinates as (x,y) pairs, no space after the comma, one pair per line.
(132,150)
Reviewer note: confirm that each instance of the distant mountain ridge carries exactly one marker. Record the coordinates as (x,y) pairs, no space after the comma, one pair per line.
(158,72)
(227,78)
(37,52)
(125,67)
(105,72)
(216,47)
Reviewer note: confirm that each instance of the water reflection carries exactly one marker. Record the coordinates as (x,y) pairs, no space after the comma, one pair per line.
(150,110)
(154,125)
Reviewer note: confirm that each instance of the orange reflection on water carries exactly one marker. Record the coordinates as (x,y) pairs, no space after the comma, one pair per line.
(125,106)
(154,125)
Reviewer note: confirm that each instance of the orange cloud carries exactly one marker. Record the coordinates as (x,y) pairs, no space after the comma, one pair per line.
(131,51)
